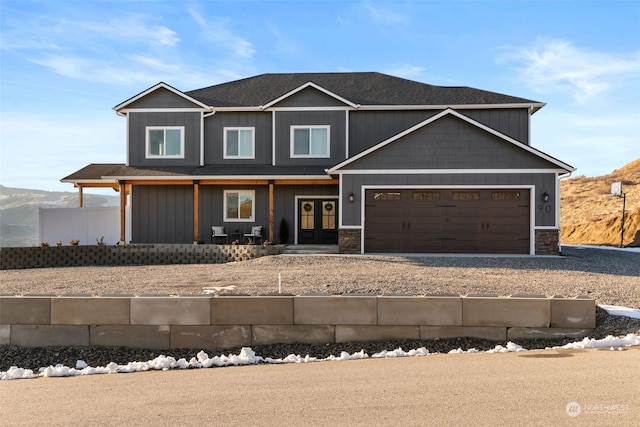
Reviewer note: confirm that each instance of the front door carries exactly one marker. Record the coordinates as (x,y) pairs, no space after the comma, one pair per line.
(317,221)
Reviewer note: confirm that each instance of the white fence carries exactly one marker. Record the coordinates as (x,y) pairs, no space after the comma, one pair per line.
(84,224)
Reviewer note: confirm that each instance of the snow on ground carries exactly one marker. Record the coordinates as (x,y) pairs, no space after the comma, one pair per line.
(248,357)
(612,248)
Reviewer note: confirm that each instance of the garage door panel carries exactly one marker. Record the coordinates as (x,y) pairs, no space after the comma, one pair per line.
(448,221)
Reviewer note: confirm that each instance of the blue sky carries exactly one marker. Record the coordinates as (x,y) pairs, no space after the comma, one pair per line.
(65,64)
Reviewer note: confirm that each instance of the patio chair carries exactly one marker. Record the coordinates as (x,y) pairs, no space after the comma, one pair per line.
(254,234)
(217,232)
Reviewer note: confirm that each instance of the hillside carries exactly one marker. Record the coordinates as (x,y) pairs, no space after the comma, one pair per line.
(19,211)
(589,215)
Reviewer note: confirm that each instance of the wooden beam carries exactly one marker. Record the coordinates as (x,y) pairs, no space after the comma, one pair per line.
(271,211)
(306,181)
(123,212)
(81,196)
(196,211)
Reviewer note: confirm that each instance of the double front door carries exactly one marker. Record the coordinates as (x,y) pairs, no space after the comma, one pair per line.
(318,221)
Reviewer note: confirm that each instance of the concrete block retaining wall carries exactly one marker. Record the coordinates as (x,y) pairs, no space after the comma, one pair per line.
(207,322)
(152,254)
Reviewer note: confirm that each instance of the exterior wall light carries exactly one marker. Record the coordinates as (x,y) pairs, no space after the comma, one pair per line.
(352,198)
(545,197)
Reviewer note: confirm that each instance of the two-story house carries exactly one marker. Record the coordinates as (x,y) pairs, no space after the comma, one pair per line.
(368,161)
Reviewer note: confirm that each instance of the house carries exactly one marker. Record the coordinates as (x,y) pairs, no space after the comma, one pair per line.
(368,161)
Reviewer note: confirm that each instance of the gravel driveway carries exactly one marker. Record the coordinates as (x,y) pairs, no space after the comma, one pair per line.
(609,276)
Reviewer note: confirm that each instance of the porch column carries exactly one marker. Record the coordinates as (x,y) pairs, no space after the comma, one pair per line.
(271,211)
(196,211)
(123,211)
(80,195)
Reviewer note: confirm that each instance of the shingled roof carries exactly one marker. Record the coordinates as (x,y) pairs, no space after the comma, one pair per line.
(365,88)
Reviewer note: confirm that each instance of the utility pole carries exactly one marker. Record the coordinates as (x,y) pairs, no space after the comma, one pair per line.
(616,191)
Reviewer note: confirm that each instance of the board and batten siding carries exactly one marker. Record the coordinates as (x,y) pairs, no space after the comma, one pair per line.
(351,212)
(336,119)
(138,123)
(162,214)
(214,137)
(309,97)
(511,122)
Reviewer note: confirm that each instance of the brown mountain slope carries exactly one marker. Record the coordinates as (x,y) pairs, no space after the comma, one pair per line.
(590,215)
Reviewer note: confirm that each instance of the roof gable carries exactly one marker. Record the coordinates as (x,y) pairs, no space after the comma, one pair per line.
(427,157)
(184,101)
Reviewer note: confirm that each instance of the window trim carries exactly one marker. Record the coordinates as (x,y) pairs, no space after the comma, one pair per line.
(253,206)
(147,153)
(292,130)
(239,128)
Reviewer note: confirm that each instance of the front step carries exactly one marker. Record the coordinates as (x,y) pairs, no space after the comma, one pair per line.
(310,249)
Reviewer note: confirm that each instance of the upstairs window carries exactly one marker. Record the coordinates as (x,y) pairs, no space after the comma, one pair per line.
(239,143)
(239,205)
(310,141)
(165,142)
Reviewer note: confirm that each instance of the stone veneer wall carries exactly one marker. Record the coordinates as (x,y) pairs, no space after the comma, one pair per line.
(152,254)
(216,322)
(547,242)
(349,241)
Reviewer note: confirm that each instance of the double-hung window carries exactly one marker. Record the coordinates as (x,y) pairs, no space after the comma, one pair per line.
(239,143)
(165,142)
(239,205)
(310,141)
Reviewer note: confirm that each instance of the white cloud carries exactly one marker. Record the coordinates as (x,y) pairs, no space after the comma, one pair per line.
(550,66)
(384,16)
(216,30)
(407,71)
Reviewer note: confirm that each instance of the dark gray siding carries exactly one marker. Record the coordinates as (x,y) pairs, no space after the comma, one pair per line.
(137,135)
(310,97)
(162,214)
(450,143)
(511,122)
(542,182)
(335,119)
(368,128)
(214,136)
(212,206)
(162,98)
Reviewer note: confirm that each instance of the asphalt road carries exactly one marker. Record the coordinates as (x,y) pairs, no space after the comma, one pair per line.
(553,387)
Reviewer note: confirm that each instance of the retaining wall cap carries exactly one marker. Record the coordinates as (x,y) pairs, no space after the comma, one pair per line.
(444,295)
(315,294)
(117,296)
(482,296)
(526,296)
(75,296)
(41,295)
(358,294)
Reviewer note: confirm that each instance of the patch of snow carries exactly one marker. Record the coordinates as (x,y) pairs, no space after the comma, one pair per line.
(611,248)
(616,310)
(217,289)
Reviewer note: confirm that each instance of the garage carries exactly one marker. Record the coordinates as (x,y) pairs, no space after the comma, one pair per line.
(492,221)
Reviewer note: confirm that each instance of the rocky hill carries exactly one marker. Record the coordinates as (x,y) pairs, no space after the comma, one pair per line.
(590,215)
(19,211)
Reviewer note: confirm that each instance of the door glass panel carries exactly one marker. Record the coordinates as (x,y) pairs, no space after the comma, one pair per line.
(328,215)
(465,195)
(307,215)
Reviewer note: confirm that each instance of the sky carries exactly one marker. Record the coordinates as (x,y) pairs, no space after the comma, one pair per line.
(64,65)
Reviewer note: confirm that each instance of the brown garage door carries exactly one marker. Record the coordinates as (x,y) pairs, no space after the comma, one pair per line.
(447,221)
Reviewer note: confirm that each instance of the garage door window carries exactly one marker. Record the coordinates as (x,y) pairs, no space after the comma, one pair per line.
(386,196)
(426,195)
(465,195)
(505,195)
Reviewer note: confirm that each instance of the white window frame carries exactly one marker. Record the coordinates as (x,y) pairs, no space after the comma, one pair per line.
(238,192)
(253,143)
(147,153)
(310,128)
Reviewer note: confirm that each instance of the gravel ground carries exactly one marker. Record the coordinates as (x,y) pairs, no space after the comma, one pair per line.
(610,277)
